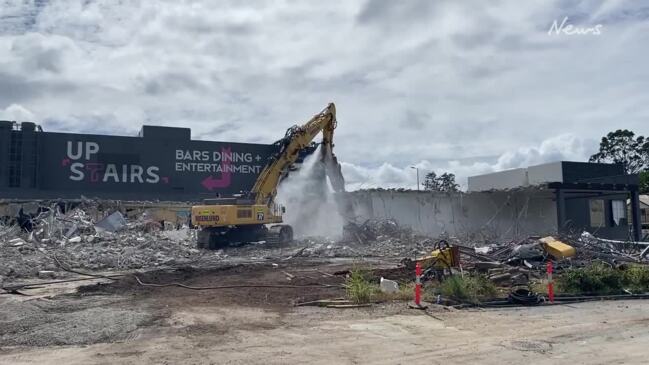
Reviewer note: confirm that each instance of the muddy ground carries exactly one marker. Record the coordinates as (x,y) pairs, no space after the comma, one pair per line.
(122,322)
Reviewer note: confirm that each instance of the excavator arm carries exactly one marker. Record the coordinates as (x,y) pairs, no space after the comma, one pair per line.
(296,139)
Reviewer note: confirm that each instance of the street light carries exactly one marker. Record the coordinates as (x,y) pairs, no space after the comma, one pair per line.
(413,167)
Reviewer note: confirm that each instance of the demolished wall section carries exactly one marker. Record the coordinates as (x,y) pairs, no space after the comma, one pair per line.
(511,214)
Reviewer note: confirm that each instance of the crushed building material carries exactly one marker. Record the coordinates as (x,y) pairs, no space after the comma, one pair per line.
(112,223)
(99,236)
(73,237)
(96,235)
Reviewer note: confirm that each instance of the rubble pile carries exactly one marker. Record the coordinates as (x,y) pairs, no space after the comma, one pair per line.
(96,236)
(517,262)
(374,230)
(590,247)
(74,240)
(372,238)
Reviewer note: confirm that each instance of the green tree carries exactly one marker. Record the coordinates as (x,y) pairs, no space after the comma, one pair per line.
(443,183)
(623,147)
(447,183)
(430,182)
(644,182)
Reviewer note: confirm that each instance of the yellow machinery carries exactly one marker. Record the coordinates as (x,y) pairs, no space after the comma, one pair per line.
(556,248)
(246,219)
(442,258)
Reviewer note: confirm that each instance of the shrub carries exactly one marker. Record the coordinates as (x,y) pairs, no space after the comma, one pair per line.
(468,288)
(359,288)
(596,278)
(636,278)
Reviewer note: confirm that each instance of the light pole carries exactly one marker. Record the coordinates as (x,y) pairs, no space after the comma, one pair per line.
(413,167)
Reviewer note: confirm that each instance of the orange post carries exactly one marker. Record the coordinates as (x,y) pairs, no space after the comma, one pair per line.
(550,282)
(417,284)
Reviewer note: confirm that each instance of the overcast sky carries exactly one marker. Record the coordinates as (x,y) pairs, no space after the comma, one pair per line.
(444,85)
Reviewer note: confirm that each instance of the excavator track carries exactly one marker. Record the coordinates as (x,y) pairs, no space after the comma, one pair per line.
(279,234)
(215,238)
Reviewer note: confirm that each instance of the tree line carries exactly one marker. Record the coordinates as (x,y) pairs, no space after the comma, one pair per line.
(625,148)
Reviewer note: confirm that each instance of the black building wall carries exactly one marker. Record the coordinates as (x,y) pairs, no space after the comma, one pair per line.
(162,163)
(5,138)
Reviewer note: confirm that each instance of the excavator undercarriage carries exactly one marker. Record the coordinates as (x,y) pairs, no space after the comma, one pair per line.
(216,237)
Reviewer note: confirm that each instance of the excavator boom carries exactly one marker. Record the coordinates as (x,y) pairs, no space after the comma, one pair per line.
(296,139)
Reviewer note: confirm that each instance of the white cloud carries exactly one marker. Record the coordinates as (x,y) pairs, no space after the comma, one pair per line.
(16,113)
(565,147)
(445,85)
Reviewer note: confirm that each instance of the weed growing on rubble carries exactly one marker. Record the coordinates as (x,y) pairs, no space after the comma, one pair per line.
(468,288)
(596,278)
(359,288)
(600,278)
(636,278)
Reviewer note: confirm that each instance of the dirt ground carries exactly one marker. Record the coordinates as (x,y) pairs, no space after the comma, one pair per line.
(123,322)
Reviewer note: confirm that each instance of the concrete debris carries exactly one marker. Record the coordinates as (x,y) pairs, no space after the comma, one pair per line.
(89,238)
(527,251)
(112,223)
(374,229)
(76,239)
(99,236)
(45,274)
(8,231)
(16,242)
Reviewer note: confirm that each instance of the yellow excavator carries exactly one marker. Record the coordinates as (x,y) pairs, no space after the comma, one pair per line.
(255,216)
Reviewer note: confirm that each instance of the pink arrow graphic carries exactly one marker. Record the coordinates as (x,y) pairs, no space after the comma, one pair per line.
(94,168)
(211,183)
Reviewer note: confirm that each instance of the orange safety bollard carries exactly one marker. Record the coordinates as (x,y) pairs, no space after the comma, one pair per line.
(550,282)
(418,284)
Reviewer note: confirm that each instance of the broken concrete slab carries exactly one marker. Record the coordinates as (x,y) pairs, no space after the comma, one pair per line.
(46,274)
(112,223)
(75,239)
(16,242)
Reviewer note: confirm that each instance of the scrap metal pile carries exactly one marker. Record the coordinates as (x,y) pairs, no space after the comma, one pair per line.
(516,262)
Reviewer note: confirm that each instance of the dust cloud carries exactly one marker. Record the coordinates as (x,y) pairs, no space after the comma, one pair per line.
(309,200)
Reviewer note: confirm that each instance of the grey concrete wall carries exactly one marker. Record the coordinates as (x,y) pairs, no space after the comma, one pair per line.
(475,215)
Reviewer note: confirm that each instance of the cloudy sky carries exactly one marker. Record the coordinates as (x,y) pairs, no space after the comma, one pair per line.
(443,85)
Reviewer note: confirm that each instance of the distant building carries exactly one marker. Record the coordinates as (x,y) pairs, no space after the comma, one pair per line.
(560,197)
(644,211)
(587,196)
